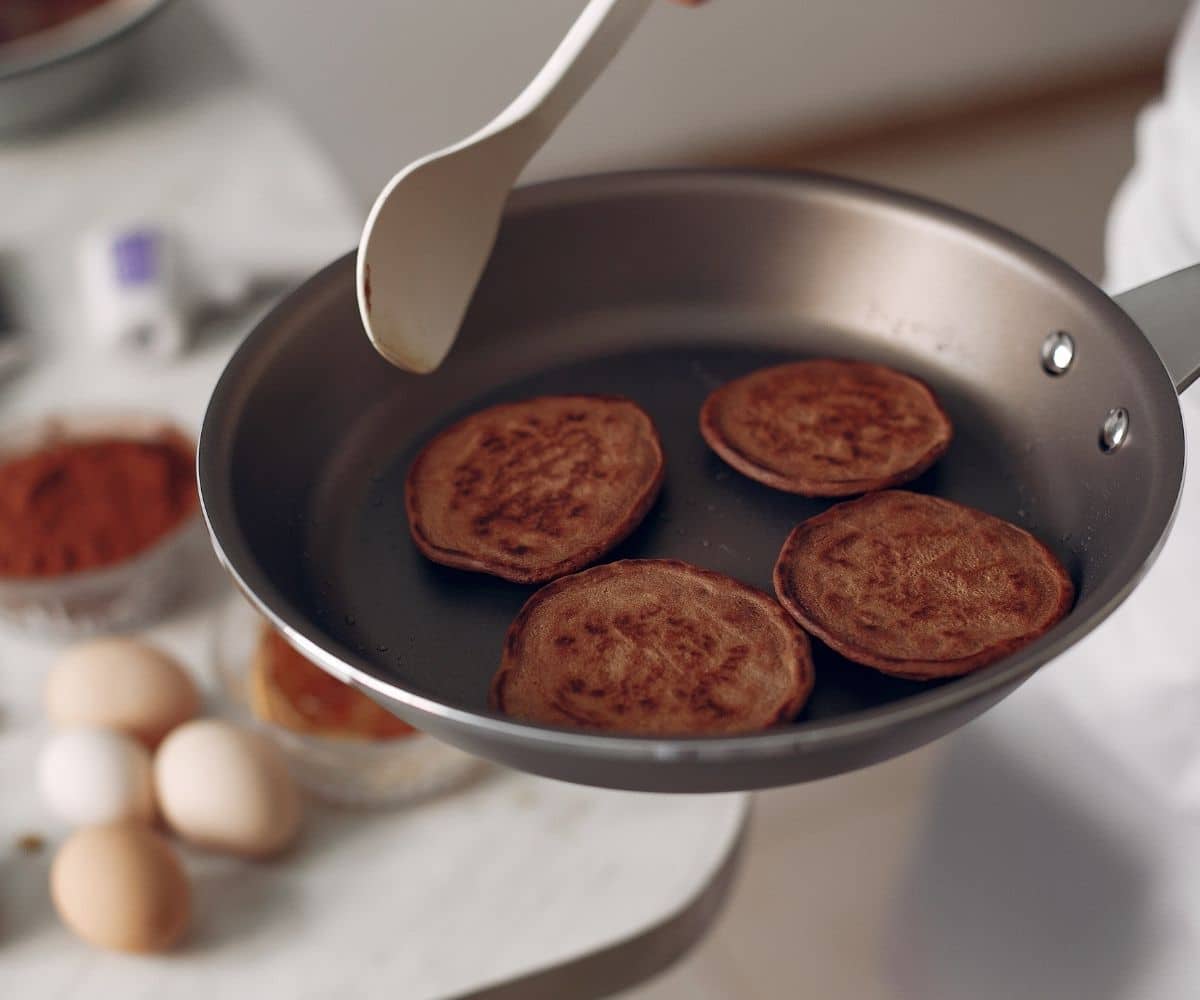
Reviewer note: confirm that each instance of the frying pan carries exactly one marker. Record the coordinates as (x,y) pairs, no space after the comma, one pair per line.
(661,286)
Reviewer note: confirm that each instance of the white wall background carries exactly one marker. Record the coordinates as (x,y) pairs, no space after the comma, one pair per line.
(384,81)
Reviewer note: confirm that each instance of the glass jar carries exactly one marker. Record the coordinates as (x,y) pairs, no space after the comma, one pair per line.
(338,769)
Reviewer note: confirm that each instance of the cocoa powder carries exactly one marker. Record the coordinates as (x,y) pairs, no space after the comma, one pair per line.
(80,505)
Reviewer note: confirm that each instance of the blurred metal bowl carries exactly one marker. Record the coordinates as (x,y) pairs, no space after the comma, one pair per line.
(51,73)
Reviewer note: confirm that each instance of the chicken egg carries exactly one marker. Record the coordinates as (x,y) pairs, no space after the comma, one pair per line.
(121,684)
(226,788)
(122,887)
(89,776)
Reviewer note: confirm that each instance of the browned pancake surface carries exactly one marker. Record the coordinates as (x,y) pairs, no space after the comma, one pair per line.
(654,647)
(532,490)
(918,586)
(827,428)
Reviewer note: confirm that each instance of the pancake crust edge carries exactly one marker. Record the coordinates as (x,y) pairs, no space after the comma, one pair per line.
(653,647)
(918,586)
(532,490)
(827,428)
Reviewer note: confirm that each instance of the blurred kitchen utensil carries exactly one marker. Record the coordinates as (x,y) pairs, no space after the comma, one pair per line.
(431,230)
(52,72)
(134,298)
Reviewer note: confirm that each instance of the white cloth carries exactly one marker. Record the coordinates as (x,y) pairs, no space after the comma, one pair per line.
(1154,226)
(1061,854)
(1135,683)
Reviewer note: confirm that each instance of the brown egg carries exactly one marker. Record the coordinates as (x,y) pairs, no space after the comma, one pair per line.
(121,887)
(121,684)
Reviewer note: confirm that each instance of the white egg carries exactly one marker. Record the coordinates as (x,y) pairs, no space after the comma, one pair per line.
(91,776)
(226,788)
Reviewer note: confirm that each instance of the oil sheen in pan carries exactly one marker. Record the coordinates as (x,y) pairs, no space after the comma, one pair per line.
(440,630)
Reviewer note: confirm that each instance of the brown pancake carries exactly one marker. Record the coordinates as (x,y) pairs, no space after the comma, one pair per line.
(920,587)
(654,647)
(827,428)
(533,490)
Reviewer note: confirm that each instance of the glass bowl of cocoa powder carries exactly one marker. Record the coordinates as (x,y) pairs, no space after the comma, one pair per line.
(99,515)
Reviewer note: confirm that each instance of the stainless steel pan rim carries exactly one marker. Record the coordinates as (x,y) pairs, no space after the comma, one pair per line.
(844,731)
(782,742)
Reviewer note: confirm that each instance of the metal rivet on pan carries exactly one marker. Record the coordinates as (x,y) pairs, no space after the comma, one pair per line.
(1115,429)
(1058,351)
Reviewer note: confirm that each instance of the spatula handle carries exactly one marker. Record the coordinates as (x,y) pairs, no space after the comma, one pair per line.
(588,47)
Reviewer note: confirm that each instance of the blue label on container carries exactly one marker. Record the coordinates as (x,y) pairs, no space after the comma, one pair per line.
(136,257)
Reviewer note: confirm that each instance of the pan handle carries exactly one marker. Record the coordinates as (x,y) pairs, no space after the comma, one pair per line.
(1168,312)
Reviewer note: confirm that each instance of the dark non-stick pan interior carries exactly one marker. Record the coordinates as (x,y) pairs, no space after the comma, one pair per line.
(662,287)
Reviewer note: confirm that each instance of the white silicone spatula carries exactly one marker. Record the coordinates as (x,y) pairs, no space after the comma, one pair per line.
(430,232)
